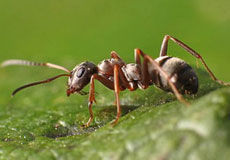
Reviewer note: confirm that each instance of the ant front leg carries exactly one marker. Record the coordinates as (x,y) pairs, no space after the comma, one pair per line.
(104,81)
(164,48)
(148,59)
(91,100)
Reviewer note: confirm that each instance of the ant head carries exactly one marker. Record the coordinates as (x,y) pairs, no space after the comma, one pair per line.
(80,77)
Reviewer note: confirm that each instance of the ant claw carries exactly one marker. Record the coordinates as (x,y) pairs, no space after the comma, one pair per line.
(84,125)
(114,122)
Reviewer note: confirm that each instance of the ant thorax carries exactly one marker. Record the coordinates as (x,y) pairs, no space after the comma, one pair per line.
(133,74)
(106,66)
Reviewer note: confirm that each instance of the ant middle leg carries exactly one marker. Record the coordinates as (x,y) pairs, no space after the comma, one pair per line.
(111,84)
(164,48)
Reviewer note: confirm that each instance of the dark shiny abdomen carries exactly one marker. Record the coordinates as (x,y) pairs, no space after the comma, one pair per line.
(181,74)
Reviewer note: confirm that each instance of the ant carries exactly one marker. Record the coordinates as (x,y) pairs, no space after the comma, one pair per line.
(170,74)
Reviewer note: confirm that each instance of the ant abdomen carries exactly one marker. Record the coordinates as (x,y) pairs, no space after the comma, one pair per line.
(180,73)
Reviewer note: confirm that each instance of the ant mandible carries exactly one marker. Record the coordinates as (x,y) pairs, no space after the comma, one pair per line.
(168,73)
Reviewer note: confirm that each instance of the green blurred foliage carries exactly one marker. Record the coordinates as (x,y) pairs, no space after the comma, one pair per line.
(71,31)
(42,123)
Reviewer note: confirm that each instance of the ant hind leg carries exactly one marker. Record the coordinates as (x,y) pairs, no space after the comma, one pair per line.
(163,52)
(148,59)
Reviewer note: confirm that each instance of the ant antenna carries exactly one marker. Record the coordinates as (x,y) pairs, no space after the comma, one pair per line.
(29,63)
(39,82)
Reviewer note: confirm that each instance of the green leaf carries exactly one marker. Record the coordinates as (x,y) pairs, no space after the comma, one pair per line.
(154,125)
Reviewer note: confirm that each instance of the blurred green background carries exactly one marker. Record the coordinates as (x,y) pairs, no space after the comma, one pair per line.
(68,32)
(71,31)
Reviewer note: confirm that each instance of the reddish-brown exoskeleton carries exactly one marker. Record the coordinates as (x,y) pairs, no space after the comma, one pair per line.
(168,73)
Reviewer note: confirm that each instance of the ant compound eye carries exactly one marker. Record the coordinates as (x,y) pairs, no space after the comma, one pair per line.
(80,72)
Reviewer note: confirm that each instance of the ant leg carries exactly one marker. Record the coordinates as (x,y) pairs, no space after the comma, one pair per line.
(117,90)
(114,85)
(114,55)
(144,67)
(91,100)
(164,48)
(148,59)
(172,85)
(104,81)
(122,77)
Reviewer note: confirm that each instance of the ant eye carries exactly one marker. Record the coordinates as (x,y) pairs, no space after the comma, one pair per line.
(80,72)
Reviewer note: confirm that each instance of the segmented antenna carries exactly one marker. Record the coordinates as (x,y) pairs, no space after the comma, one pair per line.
(37,83)
(29,63)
